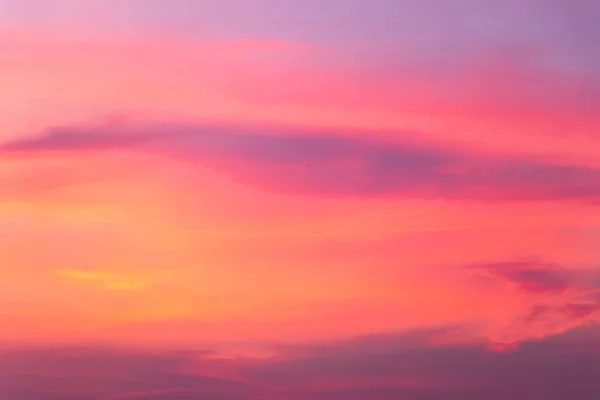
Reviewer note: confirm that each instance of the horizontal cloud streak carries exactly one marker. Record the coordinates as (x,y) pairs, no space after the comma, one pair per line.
(536,277)
(406,367)
(327,163)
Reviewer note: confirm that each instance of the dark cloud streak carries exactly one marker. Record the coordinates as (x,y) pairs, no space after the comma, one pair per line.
(405,367)
(332,164)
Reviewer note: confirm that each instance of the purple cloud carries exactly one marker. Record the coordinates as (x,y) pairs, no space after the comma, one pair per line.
(327,163)
(105,373)
(532,276)
(406,367)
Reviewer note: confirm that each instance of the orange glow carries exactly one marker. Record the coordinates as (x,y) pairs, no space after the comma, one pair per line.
(279,200)
(150,239)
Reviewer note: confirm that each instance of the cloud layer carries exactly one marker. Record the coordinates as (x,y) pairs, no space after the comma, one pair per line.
(409,366)
(323,163)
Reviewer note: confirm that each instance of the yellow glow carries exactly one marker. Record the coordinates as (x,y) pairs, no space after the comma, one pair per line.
(107,280)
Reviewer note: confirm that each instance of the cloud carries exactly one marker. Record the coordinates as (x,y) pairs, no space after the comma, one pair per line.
(107,373)
(354,369)
(414,371)
(532,276)
(556,300)
(331,163)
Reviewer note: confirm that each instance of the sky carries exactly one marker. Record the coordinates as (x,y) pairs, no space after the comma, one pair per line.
(285,200)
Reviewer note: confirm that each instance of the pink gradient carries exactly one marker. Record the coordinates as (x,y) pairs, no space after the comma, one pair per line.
(205,204)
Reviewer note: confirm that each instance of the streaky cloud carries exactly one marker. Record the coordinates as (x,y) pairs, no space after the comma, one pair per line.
(332,163)
(406,367)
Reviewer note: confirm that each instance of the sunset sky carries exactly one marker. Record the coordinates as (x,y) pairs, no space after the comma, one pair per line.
(299,200)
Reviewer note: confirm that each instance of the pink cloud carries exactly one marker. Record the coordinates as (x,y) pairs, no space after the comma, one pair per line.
(378,366)
(326,163)
(502,99)
(556,299)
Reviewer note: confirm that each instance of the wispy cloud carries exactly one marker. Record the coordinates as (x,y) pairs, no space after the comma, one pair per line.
(556,299)
(326,163)
(386,367)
